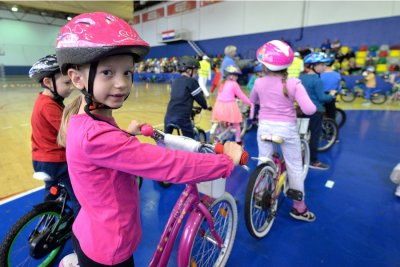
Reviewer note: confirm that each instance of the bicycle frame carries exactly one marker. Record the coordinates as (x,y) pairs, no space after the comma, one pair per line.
(280,173)
(188,202)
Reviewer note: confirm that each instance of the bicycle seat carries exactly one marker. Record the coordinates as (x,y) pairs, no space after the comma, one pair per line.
(42,176)
(272,138)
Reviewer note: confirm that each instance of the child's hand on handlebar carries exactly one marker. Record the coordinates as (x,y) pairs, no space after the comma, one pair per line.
(134,127)
(333,92)
(234,151)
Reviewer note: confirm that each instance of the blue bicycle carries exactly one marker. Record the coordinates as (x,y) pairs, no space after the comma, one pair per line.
(378,96)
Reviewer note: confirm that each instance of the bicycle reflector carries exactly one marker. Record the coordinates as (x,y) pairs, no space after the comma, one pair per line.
(54,190)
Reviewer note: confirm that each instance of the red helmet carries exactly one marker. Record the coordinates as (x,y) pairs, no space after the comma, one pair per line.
(91,36)
(275,55)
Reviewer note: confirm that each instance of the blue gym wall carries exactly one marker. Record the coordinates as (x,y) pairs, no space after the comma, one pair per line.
(356,33)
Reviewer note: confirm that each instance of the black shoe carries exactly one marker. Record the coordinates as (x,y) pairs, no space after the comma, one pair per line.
(318,165)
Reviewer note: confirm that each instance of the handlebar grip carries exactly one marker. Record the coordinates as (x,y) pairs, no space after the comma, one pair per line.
(244,158)
(147,130)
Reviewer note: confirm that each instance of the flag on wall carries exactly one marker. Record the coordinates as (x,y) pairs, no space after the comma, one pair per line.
(168,35)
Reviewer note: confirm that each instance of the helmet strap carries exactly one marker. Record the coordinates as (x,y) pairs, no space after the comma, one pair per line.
(59,99)
(316,72)
(90,104)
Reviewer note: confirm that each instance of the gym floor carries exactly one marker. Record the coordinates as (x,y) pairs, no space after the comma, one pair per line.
(357,212)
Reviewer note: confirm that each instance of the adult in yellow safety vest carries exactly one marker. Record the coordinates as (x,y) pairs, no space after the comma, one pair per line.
(297,66)
(204,74)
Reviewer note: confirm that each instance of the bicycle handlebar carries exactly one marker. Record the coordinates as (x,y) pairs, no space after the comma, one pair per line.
(185,143)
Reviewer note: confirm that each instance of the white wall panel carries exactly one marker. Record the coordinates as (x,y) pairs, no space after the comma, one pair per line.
(225,19)
(326,12)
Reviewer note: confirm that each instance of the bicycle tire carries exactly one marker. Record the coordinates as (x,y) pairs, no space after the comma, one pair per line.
(47,213)
(347,95)
(305,157)
(243,126)
(340,117)
(200,135)
(259,208)
(164,184)
(204,252)
(378,98)
(139,181)
(329,134)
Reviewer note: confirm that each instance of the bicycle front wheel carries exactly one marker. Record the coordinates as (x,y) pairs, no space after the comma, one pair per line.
(347,96)
(329,134)
(260,206)
(205,251)
(305,156)
(18,249)
(200,135)
(340,117)
(378,98)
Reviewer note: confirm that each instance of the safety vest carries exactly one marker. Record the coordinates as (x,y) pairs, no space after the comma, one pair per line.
(296,68)
(205,67)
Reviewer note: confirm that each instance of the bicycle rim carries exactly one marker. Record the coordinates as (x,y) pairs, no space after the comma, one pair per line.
(200,136)
(260,208)
(243,126)
(378,98)
(205,251)
(329,134)
(15,248)
(305,156)
(347,95)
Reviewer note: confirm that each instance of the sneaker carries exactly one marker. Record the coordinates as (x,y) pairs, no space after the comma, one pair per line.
(318,165)
(397,193)
(306,216)
(71,260)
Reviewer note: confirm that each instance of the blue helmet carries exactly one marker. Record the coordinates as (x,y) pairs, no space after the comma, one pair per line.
(317,57)
(258,68)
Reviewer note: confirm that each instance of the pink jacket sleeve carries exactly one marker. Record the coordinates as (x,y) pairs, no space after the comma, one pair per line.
(114,149)
(239,93)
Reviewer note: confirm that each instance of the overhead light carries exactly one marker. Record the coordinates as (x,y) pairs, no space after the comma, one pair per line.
(69,17)
(14,9)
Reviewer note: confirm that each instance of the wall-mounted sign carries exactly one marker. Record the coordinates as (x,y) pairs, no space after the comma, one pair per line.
(180,7)
(152,15)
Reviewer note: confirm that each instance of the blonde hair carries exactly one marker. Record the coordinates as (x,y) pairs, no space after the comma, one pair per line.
(230,49)
(284,75)
(71,109)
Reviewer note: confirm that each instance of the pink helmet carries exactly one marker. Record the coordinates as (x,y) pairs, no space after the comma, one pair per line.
(91,36)
(275,55)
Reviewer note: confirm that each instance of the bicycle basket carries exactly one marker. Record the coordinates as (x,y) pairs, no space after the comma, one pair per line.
(302,125)
(214,189)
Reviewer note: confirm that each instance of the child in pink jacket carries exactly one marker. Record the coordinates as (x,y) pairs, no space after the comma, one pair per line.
(103,160)
(226,108)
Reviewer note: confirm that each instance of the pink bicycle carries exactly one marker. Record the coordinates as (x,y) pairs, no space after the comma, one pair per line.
(208,236)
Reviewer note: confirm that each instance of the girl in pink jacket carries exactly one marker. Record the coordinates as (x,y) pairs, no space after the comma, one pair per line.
(276,94)
(98,51)
(226,108)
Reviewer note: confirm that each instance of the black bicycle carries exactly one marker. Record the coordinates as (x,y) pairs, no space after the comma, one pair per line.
(199,134)
(39,236)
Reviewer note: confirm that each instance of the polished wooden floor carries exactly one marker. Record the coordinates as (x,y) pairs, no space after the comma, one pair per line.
(146,103)
(357,212)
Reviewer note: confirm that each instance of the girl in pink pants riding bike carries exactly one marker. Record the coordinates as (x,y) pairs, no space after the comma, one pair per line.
(276,94)
(98,52)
